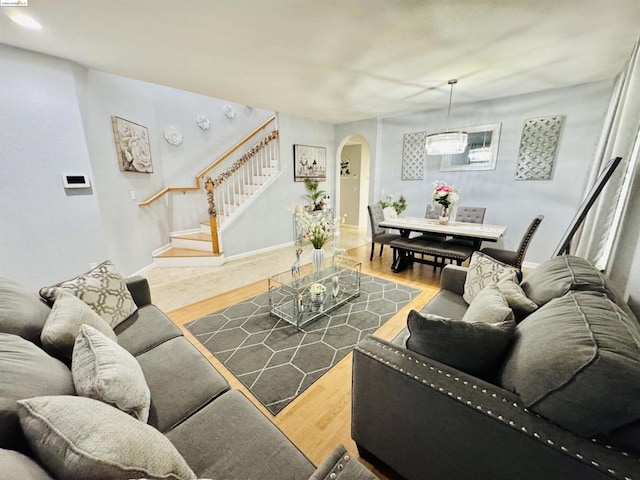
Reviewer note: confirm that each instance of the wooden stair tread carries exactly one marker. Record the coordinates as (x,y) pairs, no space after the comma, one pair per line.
(185,252)
(201,236)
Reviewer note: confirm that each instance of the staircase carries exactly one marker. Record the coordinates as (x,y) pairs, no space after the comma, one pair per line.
(235,185)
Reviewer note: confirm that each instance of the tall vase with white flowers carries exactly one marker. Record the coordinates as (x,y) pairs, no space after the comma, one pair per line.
(319,230)
(447,196)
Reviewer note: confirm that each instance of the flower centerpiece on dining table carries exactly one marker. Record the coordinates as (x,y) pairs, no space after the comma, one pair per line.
(319,230)
(447,196)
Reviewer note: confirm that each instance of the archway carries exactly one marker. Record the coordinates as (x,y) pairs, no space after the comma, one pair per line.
(353,162)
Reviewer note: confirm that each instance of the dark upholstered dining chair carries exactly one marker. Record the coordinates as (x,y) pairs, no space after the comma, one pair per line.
(433,213)
(379,234)
(511,257)
(469,215)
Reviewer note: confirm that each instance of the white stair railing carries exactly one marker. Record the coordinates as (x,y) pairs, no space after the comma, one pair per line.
(236,187)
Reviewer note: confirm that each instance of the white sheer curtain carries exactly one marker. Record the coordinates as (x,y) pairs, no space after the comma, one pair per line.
(619,138)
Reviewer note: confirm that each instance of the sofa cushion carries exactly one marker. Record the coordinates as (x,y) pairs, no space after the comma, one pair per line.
(244,444)
(18,466)
(145,329)
(78,437)
(446,304)
(181,381)
(105,371)
(63,325)
(475,347)
(22,312)
(516,298)
(485,270)
(555,277)
(26,371)
(576,361)
(102,288)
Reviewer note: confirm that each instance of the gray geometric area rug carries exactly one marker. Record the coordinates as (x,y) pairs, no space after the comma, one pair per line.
(275,360)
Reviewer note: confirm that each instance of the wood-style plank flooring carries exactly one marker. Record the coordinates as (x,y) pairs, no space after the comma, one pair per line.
(320,418)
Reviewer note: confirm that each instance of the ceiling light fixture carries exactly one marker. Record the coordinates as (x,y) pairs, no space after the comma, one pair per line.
(447,143)
(26,21)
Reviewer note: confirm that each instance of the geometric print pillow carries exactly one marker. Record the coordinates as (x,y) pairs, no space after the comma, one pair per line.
(485,270)
(103,289)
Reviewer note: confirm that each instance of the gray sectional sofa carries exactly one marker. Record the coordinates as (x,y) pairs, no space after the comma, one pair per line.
(559,400)
(216,430)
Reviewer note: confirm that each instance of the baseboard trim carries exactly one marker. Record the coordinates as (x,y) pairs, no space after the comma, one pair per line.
(160,250)
(256,252)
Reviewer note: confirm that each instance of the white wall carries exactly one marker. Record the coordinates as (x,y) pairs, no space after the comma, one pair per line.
(508,202)
(56,118)
(269,221)
(47,234)
(132,232)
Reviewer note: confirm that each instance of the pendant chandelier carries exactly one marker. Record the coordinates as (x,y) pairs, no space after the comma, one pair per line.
(447,143)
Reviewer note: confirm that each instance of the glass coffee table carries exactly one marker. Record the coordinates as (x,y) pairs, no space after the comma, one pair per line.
(291,297)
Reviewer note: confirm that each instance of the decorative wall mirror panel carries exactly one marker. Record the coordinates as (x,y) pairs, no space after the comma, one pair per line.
(481,152)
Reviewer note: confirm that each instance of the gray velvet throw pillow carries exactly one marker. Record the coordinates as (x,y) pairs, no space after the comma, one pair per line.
(473,347)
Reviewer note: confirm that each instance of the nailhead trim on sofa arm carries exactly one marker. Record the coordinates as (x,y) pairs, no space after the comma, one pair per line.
(491,401)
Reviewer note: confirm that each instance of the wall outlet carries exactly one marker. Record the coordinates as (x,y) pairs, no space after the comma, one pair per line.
(133,194)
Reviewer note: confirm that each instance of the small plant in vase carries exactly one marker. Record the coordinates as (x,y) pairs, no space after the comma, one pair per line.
(392,207)
(315,196)
(447,196)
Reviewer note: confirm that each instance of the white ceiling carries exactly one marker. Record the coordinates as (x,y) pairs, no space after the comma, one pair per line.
(339,60)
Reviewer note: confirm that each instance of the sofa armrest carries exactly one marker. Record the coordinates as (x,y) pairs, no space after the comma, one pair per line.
(140,291)
(340,465)
(452,278)
(427,420)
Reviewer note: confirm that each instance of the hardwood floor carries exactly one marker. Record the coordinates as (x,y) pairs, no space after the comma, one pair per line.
(320,418)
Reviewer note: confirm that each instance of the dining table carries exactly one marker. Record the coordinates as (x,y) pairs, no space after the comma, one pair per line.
(476,232)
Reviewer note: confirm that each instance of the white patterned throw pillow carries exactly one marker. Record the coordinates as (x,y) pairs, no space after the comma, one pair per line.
(483,271)
(103,289)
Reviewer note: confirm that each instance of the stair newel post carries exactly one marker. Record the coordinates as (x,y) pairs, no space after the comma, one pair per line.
(213,215)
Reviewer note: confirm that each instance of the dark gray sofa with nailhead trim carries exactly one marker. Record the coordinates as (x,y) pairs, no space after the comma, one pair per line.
(217,430)
(562,404)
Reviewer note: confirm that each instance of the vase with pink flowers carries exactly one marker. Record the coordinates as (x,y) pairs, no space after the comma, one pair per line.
(447,196)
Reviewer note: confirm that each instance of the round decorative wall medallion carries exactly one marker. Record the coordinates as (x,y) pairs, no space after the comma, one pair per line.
(173,136)
(203,122)
(229,112)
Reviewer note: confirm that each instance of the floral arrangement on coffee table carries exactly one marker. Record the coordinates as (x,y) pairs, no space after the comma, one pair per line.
(316,228)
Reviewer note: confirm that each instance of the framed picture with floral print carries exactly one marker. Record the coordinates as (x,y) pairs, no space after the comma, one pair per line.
(132,146)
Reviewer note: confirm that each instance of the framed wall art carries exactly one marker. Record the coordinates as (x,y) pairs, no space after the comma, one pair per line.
(309,162)
(413,153)
(538,146)
(132,146)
